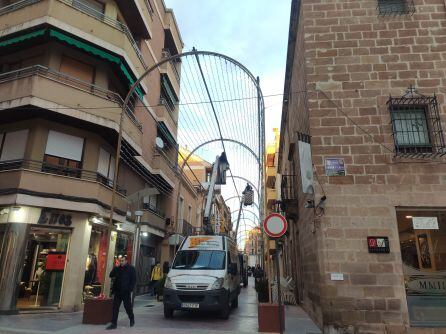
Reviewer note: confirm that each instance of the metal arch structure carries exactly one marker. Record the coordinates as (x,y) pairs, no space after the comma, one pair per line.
(217,140)
(260,119)
(239,197)
(246,180)
(248,211)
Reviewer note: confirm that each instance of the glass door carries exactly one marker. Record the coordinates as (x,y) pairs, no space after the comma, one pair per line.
(423,251)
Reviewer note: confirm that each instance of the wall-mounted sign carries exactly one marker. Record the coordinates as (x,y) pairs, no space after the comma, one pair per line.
(337,276)
(275,225)
(378,244)
(55,261)
(425,223)
(334,167)
(54,218)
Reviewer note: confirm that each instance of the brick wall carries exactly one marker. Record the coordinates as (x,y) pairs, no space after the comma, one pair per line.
(354,60)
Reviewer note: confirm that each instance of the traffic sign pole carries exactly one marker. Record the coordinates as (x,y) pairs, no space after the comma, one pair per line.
(279,294)
(275,226)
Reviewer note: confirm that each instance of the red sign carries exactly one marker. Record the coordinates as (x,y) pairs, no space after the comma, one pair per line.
(275,225)
(55,261)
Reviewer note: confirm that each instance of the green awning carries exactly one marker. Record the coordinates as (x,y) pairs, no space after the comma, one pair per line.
(22,38)
(98,52)
(166,85)
(80,45)
(166,134)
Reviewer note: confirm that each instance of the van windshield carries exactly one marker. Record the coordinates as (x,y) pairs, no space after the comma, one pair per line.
(199,259)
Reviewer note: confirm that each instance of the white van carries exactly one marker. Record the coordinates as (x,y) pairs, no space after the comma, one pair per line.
(204,276)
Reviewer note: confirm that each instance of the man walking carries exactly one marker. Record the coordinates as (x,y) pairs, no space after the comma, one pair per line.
(124,276)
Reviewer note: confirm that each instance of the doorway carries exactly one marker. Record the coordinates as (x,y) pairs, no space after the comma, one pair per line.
(422,234)
(40,285)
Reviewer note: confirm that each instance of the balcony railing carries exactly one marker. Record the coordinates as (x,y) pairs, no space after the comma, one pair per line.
(82,7)
(72,82)
(187,228)
(154,209)
(41,166)
(166,54)
(289,187)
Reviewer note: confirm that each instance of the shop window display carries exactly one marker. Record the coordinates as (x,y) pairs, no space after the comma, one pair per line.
(95,263)
(43,269)
(422,236)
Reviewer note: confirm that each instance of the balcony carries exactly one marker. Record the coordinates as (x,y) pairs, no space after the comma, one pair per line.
(271,198)
(173,37)
(289,196)
(42,83)
(59,182)
(104,31)
(271,174)
(171,69)
(153,218)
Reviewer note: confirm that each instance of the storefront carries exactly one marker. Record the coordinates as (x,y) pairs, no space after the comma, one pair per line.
(40,284)
(42,252)
(422,234)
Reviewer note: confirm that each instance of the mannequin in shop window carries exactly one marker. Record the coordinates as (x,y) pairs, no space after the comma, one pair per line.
(91,275)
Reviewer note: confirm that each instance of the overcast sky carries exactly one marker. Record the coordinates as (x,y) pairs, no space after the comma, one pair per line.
(253,32)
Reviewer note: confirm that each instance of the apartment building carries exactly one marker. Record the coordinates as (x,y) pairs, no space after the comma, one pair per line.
(65,68)
(362,162)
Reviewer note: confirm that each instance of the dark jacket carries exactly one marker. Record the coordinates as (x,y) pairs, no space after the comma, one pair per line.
(124,279)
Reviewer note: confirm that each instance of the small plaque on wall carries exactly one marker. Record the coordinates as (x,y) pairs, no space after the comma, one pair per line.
(334,167)
(378,244)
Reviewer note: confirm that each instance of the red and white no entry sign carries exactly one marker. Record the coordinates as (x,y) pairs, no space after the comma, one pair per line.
(275,225)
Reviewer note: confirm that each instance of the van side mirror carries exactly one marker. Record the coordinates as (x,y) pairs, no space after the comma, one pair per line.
(232,268)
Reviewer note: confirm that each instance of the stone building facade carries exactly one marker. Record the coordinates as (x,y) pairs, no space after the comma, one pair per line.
(362,149)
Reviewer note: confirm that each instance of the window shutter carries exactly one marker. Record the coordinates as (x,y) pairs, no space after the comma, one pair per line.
(14,145)
(77,69)
(104,162)
(64,146)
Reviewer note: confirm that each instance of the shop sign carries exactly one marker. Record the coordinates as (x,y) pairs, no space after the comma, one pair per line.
(378,244)
(209,243)
(54,218)
(425,223)
(426,285)
(334,167)
(55,261)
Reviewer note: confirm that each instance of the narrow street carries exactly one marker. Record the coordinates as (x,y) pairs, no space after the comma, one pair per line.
(150,319)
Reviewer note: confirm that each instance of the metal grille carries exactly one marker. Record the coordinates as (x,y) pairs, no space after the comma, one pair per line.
(289,187)
(395,7)
(416,124)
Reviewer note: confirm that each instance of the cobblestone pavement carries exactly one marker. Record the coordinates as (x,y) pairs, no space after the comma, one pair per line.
(149,319)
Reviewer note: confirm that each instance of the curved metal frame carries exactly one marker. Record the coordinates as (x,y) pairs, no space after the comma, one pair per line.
(255,215)
(261,119)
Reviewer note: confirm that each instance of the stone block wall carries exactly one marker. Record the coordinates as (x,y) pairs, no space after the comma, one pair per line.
(349,61)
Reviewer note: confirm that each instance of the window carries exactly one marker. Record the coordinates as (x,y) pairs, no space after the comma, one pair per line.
(106,167)
(63,154)
(416,124)
(395,7)
(189,214)
(151,203)
(77,69)
(13,145)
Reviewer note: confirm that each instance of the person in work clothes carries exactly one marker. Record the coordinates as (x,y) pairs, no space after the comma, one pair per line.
(155,277)
(124,276)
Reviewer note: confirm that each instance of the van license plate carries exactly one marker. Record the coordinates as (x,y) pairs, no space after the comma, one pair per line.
(190,305)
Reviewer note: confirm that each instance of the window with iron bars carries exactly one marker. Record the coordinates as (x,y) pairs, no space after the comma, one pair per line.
(395,7)
(416,124)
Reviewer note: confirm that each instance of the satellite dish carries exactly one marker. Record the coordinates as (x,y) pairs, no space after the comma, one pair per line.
(159,143)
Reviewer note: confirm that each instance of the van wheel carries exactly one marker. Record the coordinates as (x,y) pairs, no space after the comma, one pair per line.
(234,303)
(168,313)
(224,313)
